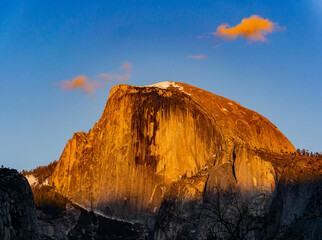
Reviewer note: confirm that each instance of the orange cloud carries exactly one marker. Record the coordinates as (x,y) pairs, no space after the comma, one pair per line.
(108,77)
(199,57)
(254,28)
(127,66)
(123,78)
(80,82)
(88,87)
(105,76)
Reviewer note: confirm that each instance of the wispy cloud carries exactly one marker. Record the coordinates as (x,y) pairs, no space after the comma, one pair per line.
(89,87)
(114,76)
(217,45)
(80,82)
(127,66)
(199,57)
(254,28)
(205,36)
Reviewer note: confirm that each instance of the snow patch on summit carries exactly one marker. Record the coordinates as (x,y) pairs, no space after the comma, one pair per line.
(166,85)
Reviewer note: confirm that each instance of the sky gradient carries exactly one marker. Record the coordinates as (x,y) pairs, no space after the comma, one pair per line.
(46,44)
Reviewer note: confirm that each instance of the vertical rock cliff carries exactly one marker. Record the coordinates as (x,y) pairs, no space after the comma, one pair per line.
(149,138)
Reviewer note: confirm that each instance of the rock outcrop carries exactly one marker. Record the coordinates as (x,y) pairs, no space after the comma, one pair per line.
(150,137)
(17,209)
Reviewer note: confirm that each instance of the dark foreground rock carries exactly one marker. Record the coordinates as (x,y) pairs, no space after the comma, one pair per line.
(17,209)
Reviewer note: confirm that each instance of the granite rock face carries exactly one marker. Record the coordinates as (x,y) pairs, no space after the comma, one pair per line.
(150,137)
(17,209)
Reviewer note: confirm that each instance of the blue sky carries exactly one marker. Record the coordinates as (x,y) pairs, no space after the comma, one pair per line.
(43,43)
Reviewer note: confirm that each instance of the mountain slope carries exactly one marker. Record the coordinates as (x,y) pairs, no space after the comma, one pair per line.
(150,137)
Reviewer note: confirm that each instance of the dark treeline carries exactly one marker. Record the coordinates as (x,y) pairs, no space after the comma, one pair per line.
(304,152)
(48,200)
(45,197)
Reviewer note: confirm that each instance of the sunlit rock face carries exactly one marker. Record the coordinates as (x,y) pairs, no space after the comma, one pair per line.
(151,137)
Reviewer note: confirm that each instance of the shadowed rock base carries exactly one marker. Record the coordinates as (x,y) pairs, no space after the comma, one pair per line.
(226,211)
